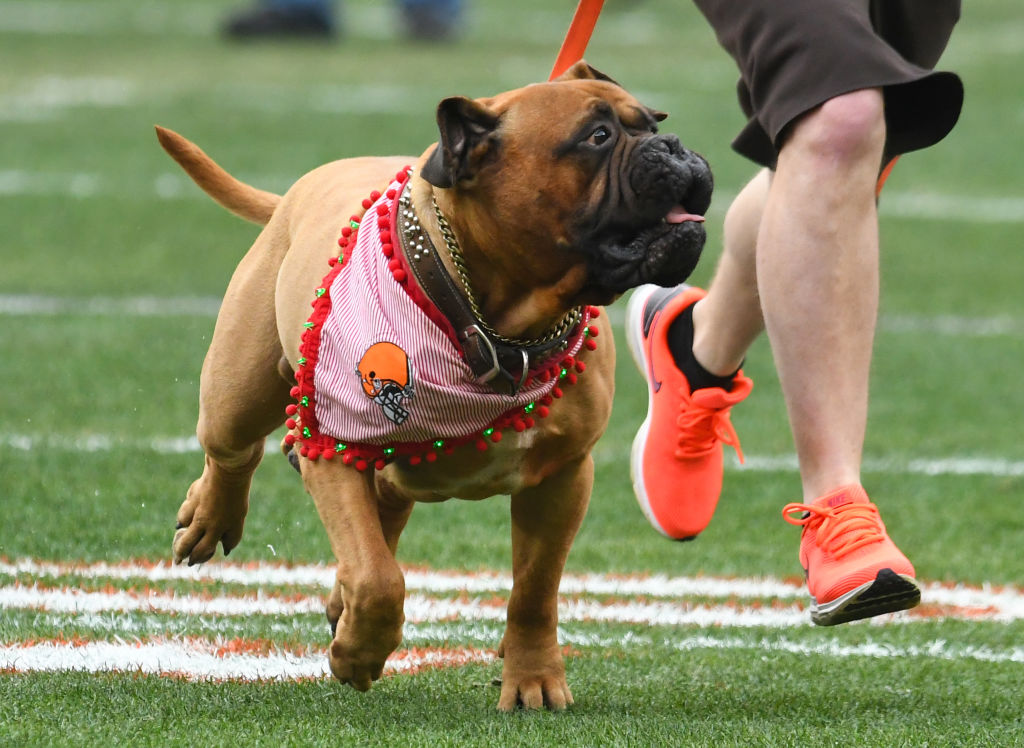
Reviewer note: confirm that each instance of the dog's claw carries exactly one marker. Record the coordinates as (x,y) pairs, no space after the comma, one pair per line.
(551,693)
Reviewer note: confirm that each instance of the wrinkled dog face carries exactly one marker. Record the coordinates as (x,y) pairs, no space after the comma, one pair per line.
(575,174)
(647,226)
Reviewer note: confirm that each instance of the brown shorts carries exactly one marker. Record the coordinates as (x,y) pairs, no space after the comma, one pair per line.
(796,54)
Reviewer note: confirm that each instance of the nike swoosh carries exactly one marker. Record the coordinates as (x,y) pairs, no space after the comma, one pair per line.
(655,382)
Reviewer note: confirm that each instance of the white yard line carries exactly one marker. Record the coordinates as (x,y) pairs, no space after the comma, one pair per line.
(99,19)
(950,325)
(83,18)
(179,652)
(53,95)
(1003,604)
(169,445)
(45,305)
(484,634)
(50,96)
(204,660)
(82,185)
(945,207)
(945,325)
(174,445)
(42,305)
(937,649)
(418,608)
(984,466)
(972,42)
(262,574)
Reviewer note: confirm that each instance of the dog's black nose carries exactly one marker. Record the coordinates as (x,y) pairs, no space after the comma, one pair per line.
(698,196)
(668,144)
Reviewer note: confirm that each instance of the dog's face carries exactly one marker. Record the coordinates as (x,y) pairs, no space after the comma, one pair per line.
(575,175)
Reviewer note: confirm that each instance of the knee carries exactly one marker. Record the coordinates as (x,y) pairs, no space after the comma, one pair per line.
(844,130)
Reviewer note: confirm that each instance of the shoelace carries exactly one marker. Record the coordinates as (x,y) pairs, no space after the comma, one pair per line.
(700,428)
(840,530)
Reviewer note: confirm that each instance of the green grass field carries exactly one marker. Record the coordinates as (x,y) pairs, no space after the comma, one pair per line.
(111,269)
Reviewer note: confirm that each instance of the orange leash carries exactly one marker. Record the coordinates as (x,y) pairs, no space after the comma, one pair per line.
(576,38)
(885,175)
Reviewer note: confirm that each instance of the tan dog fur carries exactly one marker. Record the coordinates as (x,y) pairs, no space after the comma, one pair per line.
(513,242)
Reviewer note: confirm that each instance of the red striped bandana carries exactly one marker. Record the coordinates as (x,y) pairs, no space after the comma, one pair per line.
(385,378)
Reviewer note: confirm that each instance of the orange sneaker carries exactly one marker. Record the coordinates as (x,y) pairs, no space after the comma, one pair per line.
(853,568)
(676,461)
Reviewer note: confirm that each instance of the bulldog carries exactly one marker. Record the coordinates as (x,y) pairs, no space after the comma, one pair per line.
(429,329)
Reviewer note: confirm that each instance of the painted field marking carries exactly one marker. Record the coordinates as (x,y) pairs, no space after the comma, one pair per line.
(985,466)
(977,41)
(20,305)
(84,18)
(266,574)
(196,659)
(41,305)
(959,601)
(175,445)
(49,96)
(472,609)
(171,185)
(418,608)
(938,649)
(939,207)
(243,660)
(484,634)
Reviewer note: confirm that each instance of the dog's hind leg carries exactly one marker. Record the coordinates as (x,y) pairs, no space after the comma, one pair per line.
(545,520)
(369,592)
(242,397)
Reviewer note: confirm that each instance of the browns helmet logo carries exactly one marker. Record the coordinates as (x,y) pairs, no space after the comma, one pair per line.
(385,373)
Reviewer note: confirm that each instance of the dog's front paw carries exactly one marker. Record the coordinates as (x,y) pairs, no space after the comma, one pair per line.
(533,679)
(359,662)
(205,519)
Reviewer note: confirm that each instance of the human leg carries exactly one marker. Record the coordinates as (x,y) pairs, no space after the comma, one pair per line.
(729,318)
(802,247)
(817,270)
(687,343)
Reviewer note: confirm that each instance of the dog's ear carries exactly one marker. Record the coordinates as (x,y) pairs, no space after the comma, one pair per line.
(583,71)
(468,139)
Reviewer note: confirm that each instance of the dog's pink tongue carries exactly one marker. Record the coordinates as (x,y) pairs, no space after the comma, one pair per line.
(678,214)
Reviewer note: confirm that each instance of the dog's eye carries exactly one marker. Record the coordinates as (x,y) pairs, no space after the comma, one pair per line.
(599,136)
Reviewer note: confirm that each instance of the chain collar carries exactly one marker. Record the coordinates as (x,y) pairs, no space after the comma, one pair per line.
(560,330)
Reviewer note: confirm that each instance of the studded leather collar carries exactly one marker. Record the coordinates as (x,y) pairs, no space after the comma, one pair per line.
(500,363)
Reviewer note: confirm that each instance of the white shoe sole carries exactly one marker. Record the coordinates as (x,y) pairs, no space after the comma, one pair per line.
(634,338)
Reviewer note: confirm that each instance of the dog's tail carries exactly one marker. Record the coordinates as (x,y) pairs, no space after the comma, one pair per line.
(240,198)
